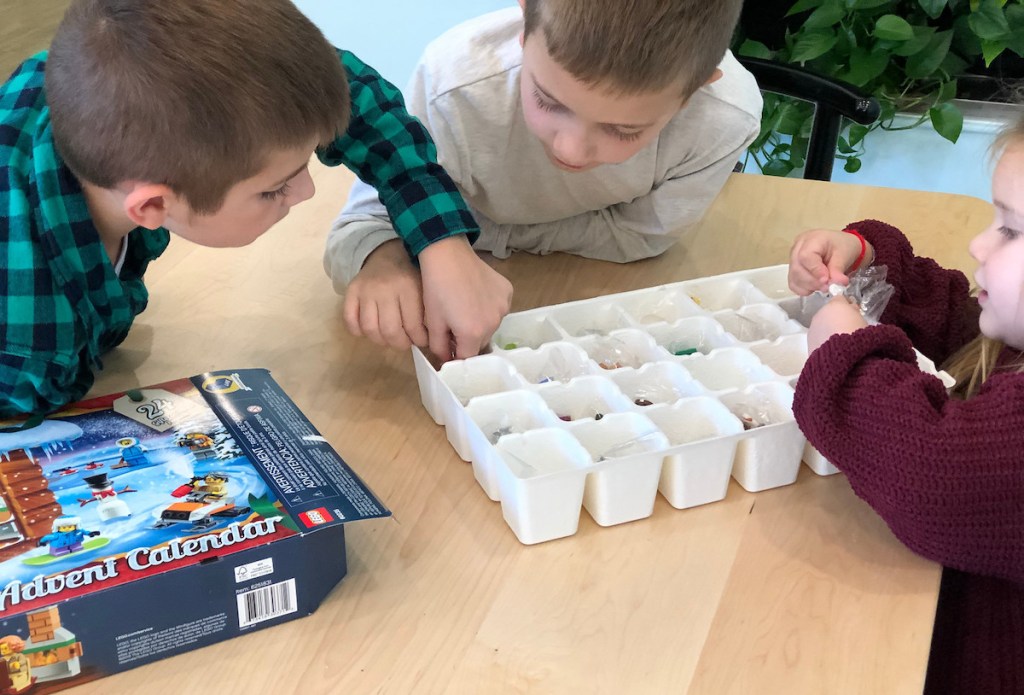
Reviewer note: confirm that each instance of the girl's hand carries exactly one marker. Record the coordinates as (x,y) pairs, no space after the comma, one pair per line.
(837,316)
(820,257)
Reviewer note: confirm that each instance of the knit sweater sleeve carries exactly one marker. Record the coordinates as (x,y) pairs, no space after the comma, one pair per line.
(931,304)
(944,474)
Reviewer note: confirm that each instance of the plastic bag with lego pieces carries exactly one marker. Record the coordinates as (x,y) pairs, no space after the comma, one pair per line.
(868,289)
(612,353)
(753,412)
(555,368)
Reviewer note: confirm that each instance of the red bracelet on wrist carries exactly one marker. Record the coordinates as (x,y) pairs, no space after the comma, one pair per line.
(863,250)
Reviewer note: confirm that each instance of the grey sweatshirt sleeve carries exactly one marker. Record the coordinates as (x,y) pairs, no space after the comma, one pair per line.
(362,226)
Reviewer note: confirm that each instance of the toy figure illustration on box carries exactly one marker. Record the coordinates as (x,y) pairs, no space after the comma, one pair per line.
(66,537)
(15,671)
(206,499)
(131,453)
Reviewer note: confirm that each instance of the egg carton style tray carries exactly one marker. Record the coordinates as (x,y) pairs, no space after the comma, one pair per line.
(604,402)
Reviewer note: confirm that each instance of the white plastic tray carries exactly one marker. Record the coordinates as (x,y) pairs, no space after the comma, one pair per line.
(602,403)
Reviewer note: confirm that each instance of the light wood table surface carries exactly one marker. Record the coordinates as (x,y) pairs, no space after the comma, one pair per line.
(800,589)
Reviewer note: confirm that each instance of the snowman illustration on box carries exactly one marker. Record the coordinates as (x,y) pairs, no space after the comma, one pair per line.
(108,505)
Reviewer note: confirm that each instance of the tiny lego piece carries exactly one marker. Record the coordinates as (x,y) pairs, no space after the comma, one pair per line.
(643,402)
(611,364)
(684,351)
(598,416)
(67,537)
(750,423)
(565,418)
(499,433)
(105,496)
(545,380)
(696,299)
(509,346)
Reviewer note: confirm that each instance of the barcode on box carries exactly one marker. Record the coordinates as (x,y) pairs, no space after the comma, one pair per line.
(266,603)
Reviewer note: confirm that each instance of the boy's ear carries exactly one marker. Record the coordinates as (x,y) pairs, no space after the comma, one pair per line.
(148,204)
(715,76)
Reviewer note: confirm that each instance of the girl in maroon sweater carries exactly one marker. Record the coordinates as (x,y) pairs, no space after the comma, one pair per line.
(945,471)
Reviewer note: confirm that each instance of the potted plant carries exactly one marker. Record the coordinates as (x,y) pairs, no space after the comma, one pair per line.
(914,56)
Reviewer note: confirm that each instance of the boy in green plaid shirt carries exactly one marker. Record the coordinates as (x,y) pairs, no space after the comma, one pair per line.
(196,117)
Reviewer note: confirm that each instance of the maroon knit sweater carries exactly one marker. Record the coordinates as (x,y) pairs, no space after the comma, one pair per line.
(946,475)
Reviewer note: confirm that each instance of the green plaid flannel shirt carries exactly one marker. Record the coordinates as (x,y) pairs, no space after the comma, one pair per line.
(62,305)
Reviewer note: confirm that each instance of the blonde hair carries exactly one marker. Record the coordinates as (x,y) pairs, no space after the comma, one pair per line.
(976,361)
(634,46)
(193,94)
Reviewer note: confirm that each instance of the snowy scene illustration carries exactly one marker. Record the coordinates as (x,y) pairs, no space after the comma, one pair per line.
(80,487)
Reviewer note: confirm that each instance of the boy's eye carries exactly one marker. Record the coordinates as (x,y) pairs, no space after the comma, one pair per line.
(274,195)
(625,136)
(1009,233)
(544,104)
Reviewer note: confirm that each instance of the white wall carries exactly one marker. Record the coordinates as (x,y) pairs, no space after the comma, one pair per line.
(390,35)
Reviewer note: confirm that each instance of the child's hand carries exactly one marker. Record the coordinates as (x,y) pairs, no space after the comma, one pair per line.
(820,257)
(464,299)
(384,302)
(837,316)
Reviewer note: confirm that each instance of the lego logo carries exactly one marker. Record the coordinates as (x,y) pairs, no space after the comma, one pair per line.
(316,517)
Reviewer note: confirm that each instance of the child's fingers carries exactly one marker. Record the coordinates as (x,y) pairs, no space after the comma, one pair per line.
(411,309)
(350,313)
(439,341)
(390,326)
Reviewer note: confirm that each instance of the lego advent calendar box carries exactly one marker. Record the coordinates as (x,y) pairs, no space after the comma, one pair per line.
(111,506)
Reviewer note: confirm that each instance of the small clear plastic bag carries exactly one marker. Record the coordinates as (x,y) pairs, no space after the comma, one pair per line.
(868,289)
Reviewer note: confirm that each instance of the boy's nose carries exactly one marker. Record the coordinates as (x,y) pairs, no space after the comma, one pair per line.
(302,187)
(572,147)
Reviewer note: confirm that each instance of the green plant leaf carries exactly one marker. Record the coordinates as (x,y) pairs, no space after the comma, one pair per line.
(852,165)
(933,8)
(778,167)
(990,50)
(953,64)
(825,16)
(843,146)
(754,49)
(1015,18)
(947,91)
(866,4)
(803,6)
(809,45)
(865,66)
(790,118)
(922,36)
(989,22)
(889,27)
(857,133)
(947,121)
(926,62)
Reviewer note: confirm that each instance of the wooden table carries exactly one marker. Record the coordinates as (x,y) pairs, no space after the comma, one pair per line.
(800,589)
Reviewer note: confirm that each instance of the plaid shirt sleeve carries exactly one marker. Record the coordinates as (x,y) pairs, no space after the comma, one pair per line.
(61,302)
(390,150)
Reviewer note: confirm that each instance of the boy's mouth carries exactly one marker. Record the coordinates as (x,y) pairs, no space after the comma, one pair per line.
(566,166)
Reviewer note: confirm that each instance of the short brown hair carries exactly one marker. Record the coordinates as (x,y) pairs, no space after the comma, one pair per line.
(194,94)
(636,45)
